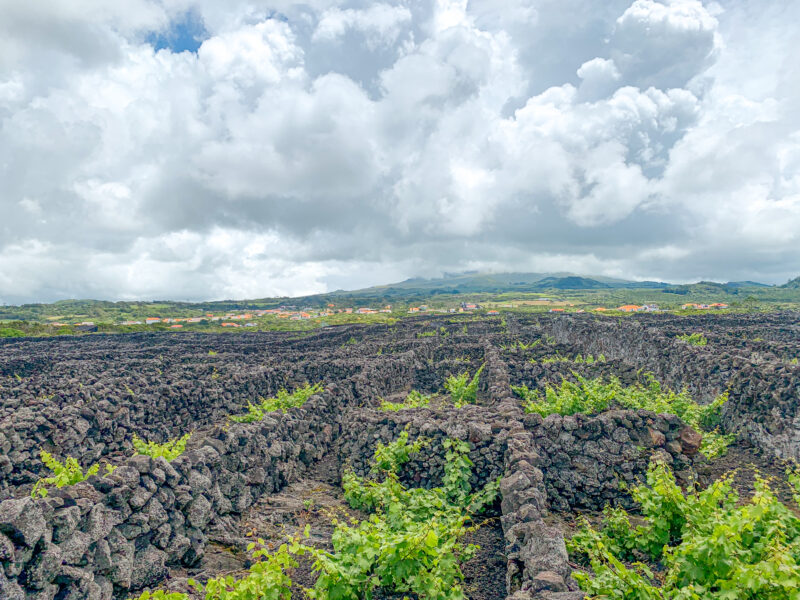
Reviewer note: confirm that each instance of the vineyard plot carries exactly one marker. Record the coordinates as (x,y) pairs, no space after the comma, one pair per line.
(171,507)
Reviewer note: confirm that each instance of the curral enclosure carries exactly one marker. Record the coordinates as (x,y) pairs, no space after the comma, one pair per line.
(440,457)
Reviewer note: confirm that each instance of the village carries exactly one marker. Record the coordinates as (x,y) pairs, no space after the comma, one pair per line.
(292,313)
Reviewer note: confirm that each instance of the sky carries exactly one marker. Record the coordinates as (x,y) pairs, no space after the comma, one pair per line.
(210,149)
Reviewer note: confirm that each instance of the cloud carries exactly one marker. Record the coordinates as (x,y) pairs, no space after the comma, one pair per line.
(304,147)
(382,24)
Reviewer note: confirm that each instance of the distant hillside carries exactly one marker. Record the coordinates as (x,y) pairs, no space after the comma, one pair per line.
(794,284)
(495,283)
(738,284)
(599,288)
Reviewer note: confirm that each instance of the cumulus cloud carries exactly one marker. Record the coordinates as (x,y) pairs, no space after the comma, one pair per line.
(382,24)
(306,147)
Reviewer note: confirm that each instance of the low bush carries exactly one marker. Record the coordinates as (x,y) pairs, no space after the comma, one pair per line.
(169,450)
(11,332)
(591,396)
(693,545)
(411,544)
(67,473)
(695,339)
(579,359)
(266,580)
(414,399)
(283,401)
(462,389)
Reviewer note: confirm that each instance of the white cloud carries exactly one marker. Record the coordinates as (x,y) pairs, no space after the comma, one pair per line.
(664,43)
(381,23)
(344,143)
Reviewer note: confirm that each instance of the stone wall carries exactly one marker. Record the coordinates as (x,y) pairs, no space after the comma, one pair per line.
(584,459)
(113,534)
(764,395)
(89,427)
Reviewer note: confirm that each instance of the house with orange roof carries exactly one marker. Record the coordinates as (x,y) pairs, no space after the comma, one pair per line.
(600,309)
(556,310)
(231,325)
(629,308)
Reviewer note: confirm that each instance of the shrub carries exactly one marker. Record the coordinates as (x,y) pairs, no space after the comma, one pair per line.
(521,345)
(283,401)
(169,450)
(414,399)
(695,339)
(6,332)
(411,544)
(708,544)
(64,474)
(462,389)
(592,396)
(266,580)
(161,595)
(579,359)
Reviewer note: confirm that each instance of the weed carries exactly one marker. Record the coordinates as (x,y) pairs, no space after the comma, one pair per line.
(169,450)
(67,473)
(414,399)
(282,401)
(462,389)
(695,339)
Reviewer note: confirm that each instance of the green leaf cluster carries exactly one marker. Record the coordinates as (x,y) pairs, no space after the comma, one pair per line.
(579,359)
(590,396)
(411,544)
(462,389)
(169,450)
(415,399)
(707,544)
(67,473)
(695,339)
(283,401)
(267,580)
(521,345)
(161,595)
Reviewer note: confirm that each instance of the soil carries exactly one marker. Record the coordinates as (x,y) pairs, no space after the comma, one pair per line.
(315,501)
(747,464)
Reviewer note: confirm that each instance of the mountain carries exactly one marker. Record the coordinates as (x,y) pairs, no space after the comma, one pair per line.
(738,284)
(418,289)
(794,284)
(495,283)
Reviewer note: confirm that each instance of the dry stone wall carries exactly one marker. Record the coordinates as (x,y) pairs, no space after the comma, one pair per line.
(111,535)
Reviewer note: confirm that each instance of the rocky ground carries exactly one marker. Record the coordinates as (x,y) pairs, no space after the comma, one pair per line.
(153,523)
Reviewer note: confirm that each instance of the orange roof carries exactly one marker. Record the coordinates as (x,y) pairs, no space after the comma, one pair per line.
(629,307)
(175,326)
(601,308)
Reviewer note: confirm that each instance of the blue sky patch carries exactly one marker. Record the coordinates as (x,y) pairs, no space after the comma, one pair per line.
(185,34)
